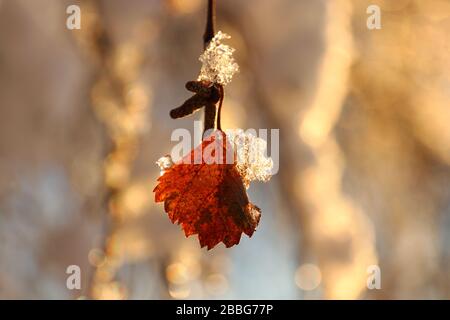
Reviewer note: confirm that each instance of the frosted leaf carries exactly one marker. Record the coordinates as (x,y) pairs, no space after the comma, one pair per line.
(164,163)
(218,64)
(251,160)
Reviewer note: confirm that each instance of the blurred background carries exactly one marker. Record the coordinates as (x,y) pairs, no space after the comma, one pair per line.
(364,173)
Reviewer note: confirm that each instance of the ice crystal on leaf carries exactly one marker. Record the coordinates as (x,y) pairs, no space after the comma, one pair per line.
(251,160)
(164,163)
(218,64)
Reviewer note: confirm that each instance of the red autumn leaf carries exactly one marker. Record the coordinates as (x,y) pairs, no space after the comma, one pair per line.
(208,197)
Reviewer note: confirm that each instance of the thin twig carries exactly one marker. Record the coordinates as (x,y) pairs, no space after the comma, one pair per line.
(210,23)
(212,113)
(222,95)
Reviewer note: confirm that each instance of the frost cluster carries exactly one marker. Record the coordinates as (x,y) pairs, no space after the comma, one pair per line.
(218,64)
(164,163)
(251,160)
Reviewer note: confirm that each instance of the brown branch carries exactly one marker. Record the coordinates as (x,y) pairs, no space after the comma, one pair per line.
(207,94)
(212,112)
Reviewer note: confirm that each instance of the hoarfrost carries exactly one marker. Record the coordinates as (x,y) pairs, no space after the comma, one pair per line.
(218,64)
(251,160)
